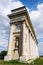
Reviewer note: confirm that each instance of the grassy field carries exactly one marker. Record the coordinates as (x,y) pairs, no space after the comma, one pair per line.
(38,61)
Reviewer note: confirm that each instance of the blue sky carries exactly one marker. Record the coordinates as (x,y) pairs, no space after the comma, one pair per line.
(31,4)
(35,9)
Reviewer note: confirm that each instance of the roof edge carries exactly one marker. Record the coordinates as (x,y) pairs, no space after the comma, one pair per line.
(18,8)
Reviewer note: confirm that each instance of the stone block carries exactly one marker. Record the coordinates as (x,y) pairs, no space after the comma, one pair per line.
(7,58)
(23,58)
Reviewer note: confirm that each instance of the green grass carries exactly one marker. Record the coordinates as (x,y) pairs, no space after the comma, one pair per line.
(38,61)
(13,62)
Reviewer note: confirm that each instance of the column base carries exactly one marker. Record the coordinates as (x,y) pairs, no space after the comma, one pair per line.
(7,58)
(23,58)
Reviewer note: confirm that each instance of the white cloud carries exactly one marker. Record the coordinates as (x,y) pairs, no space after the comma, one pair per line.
(40,7)
(3,40)
(5,2)
(11,5)
(37,20)
(5,7)
(40,48)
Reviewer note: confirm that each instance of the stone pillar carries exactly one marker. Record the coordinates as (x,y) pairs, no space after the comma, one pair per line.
(24,40)
(27,41)
(37,55)
(10,45)
(23,57)
(10,41)
(30,40)
(23,44)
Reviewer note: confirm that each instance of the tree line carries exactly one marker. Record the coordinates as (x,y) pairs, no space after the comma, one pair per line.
(2,54)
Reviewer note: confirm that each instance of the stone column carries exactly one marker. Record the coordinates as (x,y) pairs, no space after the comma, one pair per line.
(37,55)
(9,53)
(23,44)
(10,41)
(30,44)
(23,57)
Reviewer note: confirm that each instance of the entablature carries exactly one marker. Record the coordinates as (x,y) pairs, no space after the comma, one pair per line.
(17,19)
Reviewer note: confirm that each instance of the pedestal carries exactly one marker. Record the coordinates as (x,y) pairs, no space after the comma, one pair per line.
(7,58)
(22,58)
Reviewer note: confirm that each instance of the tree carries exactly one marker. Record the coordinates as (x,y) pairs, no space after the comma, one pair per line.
(2,54)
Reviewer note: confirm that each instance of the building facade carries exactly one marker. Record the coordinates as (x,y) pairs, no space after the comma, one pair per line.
(23,43)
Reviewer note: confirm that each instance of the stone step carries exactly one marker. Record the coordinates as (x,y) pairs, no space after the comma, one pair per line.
(30,60)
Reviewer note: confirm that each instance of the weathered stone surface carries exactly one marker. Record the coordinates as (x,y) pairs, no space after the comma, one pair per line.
(8,58)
